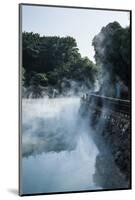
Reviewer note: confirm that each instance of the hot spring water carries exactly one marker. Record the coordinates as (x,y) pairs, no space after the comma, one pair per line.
(58,153)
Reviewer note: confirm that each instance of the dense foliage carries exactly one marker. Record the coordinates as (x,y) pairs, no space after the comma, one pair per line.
(49,60)
(54,61)
(112,53)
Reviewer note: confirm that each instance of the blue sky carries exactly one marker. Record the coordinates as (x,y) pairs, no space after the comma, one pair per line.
(82,24)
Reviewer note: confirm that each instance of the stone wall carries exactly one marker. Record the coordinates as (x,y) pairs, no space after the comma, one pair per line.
(109,119)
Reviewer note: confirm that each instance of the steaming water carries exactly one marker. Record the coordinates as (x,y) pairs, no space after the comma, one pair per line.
(58,152)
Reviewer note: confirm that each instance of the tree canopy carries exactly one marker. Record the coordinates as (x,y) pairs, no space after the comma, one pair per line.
(48,60)
(51,60)
(112,54)
(112,51)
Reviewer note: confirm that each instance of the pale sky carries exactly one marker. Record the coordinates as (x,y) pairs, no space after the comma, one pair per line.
(82,24)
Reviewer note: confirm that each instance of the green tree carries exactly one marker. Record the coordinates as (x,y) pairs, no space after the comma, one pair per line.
(48,60)
(112,52)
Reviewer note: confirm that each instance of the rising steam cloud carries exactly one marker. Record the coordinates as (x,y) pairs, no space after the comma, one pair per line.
(50,125)
(58,152)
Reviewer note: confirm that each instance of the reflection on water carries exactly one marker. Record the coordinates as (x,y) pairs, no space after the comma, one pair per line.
(58,152)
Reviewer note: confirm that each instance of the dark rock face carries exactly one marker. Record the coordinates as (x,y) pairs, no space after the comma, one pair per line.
(110,124)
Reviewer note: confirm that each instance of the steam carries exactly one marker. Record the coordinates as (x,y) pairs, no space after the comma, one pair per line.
(63,171)
(50,125)
(65,88)
(58,152)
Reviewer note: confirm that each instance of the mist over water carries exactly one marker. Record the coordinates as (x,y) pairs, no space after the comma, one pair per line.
(58,152)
